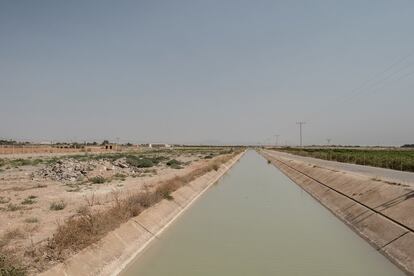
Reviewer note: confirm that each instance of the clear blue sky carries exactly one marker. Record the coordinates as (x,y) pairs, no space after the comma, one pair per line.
(207,71)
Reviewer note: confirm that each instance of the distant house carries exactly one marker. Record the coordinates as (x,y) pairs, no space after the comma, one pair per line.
(159,145)
(109,146)
(46,143)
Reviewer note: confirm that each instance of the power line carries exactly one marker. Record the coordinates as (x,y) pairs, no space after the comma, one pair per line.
(277,139)
(300,130)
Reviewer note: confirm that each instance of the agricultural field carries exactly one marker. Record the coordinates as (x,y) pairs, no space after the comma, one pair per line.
(395,159)
(53,206)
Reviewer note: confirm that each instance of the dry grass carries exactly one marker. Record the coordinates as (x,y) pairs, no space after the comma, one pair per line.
(9,265)
(57,205)
(89,226)
(31,220)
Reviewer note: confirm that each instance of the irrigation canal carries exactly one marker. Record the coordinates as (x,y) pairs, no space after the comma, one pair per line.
(256,221)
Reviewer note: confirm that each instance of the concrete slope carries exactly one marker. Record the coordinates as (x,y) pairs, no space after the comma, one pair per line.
(118,248)
(380,212)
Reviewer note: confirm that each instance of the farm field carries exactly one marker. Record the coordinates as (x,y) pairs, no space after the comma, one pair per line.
(395,159)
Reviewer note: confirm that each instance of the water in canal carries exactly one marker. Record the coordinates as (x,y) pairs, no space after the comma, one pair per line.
(256,221)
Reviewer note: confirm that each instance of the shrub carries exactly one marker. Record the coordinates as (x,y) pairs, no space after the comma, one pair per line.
(28,201)
(175,164)
(31,220)
(139,162)
(4,199)
(57,205)
(97,179)
(120,176)
(13,207)
(9,268)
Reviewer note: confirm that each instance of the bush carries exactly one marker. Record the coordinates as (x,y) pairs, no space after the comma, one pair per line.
(57,205)
(120,176)
(97,179)
(175,164)
(28,201)
(13,207)
(7,268)
(4,199)
(139,162)
(31,220)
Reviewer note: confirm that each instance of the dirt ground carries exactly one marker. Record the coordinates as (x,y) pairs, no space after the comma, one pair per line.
(32,204)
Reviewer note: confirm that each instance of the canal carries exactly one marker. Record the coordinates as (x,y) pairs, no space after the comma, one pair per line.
(256,221)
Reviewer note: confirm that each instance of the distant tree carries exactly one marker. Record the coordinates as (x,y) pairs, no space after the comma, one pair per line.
(105,142)
(7,142)
(408,146)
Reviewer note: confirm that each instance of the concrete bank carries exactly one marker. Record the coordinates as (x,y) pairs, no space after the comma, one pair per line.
(118,248)
(380,212)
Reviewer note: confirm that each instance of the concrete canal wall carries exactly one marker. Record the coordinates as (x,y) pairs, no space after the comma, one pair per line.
(116,250)
(380,212)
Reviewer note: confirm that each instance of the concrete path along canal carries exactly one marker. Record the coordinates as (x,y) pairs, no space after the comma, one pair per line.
(256,221)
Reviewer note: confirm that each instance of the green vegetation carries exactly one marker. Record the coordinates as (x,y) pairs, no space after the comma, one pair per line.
(385,158)
(175,164)
(13,207)
(97,179)
(15,163)
(31,220)
(119,176)
(408,146)
(57,205)
(29,200)
(139,162)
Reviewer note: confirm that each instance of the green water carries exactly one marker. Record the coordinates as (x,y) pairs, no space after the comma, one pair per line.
(256,221)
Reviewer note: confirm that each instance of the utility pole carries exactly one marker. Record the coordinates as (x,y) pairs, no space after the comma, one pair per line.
(277,139)
(300,131)
(328,140)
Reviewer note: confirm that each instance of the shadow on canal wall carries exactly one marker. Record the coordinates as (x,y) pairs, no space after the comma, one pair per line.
(118,248)
(381,213)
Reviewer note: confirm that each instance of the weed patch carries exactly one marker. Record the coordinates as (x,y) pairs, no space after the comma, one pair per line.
(97,180)
(175,164)
(28,201)
(13,207)
(4,199)
(57,205)
(31,220)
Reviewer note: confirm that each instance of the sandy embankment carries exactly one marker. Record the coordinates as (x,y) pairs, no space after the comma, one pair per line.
(381,212)
(113,253)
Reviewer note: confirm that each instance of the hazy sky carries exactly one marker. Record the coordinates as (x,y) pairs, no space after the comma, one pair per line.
(207,71)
